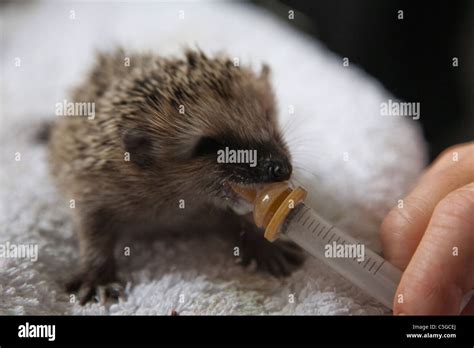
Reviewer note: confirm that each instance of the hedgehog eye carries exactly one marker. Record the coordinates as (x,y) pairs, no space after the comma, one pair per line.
(206,146)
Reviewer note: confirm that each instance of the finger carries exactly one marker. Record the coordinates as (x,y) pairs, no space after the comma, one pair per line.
(442,268)
(461,154)
(403,227)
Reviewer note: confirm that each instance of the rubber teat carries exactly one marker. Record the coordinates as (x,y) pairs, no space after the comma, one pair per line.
(272,204)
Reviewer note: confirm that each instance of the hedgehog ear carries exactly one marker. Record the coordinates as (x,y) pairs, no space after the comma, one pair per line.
(265,72)
(192,57)
(139,147)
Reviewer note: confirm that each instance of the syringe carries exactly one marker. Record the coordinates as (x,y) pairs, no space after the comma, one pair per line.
(280,210)
(357,263)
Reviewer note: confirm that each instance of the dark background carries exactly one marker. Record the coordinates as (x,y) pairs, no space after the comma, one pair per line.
(412,57)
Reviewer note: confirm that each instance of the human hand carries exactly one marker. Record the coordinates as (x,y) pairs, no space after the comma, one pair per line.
(430,235)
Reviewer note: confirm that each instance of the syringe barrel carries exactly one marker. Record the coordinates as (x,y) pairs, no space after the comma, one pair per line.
(370,272)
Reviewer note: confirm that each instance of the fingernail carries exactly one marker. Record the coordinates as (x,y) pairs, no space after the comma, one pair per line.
(465,300)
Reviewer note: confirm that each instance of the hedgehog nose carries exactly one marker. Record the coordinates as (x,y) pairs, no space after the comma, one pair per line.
(278,170)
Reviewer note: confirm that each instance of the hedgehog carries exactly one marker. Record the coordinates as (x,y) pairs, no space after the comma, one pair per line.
(151,148)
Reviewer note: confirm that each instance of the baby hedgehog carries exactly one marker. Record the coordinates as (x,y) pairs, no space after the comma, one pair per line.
(152,149)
